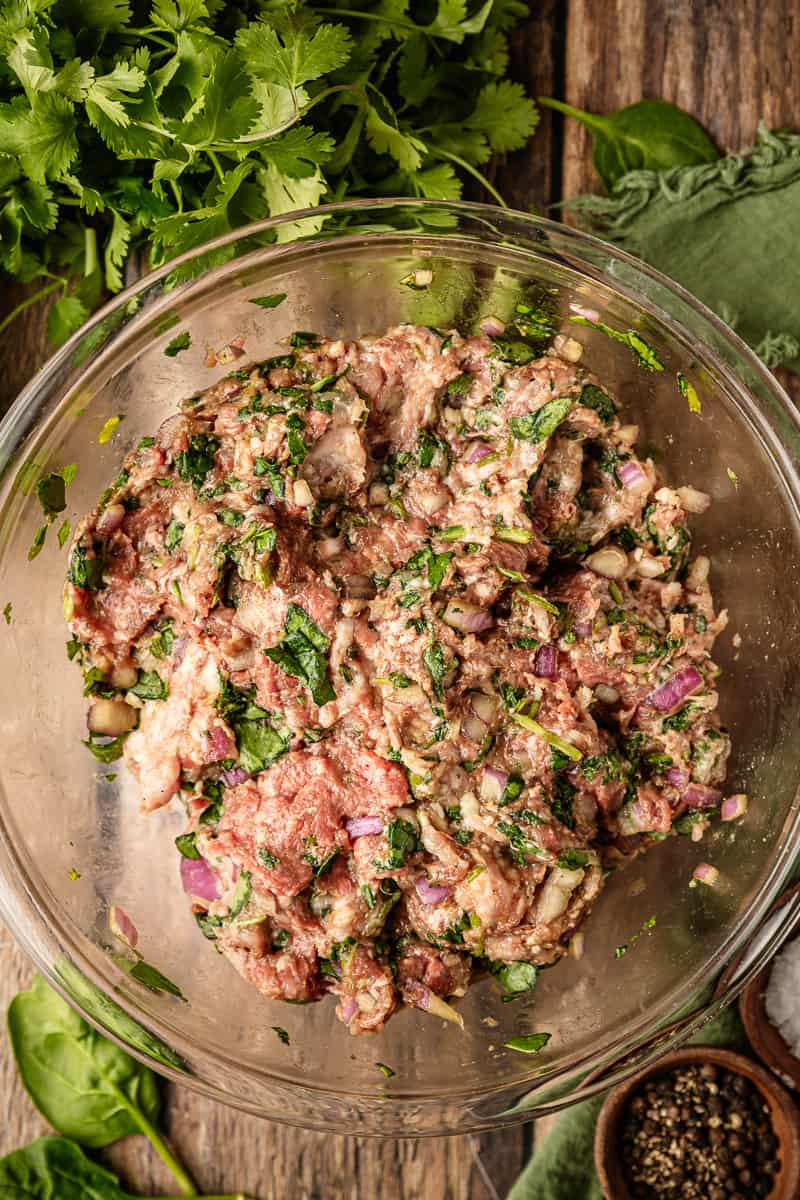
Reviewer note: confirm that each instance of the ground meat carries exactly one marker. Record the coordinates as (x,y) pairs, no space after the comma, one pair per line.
(391,618)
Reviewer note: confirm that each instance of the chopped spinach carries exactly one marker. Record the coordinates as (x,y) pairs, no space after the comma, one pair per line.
(269,468)
(150,686)
(186,845)
(594,397)
(302,652)
(85,572)
(434,660)
(571,860)
(194,463)
(402,840)
(539,425)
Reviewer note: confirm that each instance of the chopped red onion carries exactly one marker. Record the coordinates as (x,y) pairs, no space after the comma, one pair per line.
(431,893)
(582,629)
(178,650)
(168,431)
(229,388)
(545,662)
(221,744)
(235,776)
(493,783)
(419,996)
(198,879)
(492,326)
(122,926)
(477,451)
(467,618)
(110,519)
(672,693)
(633,819)
(734,807)
(631,474)
(699,796)
(676,777)
(349,1009)
(362,826)
(705,873)
(588,314)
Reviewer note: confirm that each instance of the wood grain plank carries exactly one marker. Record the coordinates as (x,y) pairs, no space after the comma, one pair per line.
(526,179)
(730,65)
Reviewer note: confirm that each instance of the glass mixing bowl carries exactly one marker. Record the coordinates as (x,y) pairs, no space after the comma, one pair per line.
(62,814)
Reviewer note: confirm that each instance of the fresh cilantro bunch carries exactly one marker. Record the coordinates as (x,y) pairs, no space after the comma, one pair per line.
(155,126)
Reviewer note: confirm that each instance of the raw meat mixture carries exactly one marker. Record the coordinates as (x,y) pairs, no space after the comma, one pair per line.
(416,638)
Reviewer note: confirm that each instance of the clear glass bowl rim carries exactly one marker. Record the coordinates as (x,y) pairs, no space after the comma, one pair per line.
(621,1061)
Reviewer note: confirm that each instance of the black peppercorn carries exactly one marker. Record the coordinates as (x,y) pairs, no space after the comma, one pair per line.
(698,1133)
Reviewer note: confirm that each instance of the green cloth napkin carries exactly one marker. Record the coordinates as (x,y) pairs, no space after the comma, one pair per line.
(563,1169)
(729,231)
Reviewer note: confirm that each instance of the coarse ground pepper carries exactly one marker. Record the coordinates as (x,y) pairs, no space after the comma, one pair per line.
(699,1133)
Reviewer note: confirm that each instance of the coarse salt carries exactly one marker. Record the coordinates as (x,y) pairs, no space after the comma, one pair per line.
(783,990)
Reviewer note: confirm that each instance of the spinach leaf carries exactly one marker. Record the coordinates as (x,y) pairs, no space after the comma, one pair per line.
(106,751)
(150,686)
(571,860)
(259,745)
(402,838)
(648,135)
(51,491)
(269,301)
(594,397)
(536,426)
(529,1043)
(185,844)
(258,742)
(85,1086)
(153,979)
(302,652)
(85,572)
(55,1167)
(296,443)
(195,463)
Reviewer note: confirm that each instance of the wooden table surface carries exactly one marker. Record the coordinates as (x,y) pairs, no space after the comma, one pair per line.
(729,62)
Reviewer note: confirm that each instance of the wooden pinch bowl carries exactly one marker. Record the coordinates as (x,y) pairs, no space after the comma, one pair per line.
(783,1114)
(765,1039)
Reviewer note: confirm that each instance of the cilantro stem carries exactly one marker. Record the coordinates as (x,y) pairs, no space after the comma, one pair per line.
(352,88)
(34,299)
(89,250)
(212,155)
(438,152)
(369,16)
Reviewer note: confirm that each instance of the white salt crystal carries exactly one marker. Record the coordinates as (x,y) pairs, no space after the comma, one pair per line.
(782,999)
